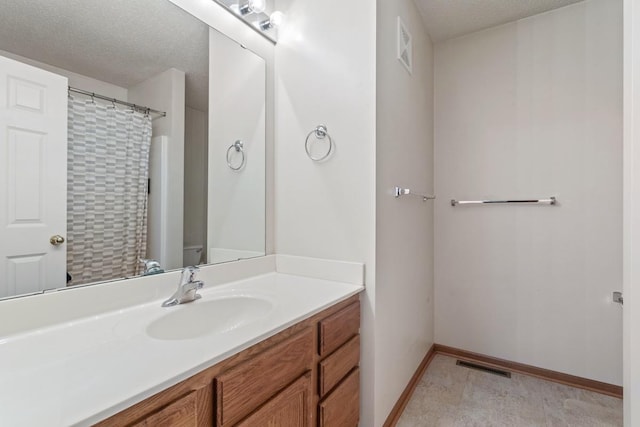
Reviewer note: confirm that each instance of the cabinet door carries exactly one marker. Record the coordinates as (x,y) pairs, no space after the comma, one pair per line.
(289,408)
(342,407)
(245,387)
(181,413)
(187,404)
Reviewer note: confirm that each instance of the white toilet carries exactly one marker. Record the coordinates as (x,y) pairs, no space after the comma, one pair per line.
(192,255)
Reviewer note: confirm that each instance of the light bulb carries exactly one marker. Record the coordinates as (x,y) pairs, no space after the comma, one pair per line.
(257,6)
(276,19)
(253,6)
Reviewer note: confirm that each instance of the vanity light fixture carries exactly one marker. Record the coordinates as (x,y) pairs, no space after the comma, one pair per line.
(274,21)
(255,14)
(253,6)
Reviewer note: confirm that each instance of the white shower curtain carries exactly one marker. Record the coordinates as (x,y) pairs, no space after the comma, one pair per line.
(108,170)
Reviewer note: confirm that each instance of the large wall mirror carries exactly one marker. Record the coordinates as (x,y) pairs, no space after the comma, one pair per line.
(129,131)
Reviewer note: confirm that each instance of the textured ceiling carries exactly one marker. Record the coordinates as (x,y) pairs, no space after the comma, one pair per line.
(446,19)
(123,42)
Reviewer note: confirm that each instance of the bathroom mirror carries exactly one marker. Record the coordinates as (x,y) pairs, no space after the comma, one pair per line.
(236,128)
(117,147)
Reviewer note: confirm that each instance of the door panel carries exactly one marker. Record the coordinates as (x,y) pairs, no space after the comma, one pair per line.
(25,186)
(289,408)
(33,178)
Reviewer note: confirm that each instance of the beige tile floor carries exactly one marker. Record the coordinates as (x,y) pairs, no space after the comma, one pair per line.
(450,395)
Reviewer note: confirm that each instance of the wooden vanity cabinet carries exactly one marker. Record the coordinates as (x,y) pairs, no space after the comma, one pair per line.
(290,407)
(245,387)
(339,375)
(187,404)
(304,376)
(338,328)
(182,412)
(342,406)
(337,366)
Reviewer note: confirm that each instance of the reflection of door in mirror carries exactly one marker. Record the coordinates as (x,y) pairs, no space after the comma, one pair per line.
(104,162)
(33,145)
(236,219)
(152,54)
(94,181)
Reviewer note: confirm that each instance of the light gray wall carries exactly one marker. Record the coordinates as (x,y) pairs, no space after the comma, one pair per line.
(195,179)
(530,110)
(404,227)
(221,20)
(325,74)
(236,112)
(631,213)
(166,92)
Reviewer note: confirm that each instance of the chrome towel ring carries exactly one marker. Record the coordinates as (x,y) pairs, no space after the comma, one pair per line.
(239,148)
(321,133)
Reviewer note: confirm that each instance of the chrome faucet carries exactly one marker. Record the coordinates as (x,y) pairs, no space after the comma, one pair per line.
(187,289)
(151,266)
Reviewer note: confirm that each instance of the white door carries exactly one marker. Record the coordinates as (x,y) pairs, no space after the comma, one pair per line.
(33,178)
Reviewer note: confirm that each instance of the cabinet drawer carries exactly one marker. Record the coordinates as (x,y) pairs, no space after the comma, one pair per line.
(181,413)
(290,408)
(342,406)
(243,388)
(335,367)
(336,329)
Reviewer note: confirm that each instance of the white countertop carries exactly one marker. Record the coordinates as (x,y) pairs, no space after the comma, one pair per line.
(83,371)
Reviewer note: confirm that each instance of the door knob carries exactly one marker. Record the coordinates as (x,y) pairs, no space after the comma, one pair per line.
(56,240)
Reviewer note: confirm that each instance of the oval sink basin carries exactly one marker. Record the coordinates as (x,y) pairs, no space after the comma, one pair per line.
(201,318)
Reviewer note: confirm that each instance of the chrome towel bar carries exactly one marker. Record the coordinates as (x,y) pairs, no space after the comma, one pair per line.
(550,201)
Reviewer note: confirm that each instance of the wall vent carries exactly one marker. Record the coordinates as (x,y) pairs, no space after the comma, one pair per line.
(487,369)
(405,46)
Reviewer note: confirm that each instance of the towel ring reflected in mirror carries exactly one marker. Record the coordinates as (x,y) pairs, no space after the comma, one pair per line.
(238,147)
(321,133)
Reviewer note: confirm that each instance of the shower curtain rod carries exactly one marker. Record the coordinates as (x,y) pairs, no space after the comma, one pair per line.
(117,101)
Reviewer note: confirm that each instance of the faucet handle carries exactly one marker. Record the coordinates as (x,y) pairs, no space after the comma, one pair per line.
(187,288)
(189,274)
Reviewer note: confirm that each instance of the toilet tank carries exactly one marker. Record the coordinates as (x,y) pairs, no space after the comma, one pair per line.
(192,255)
